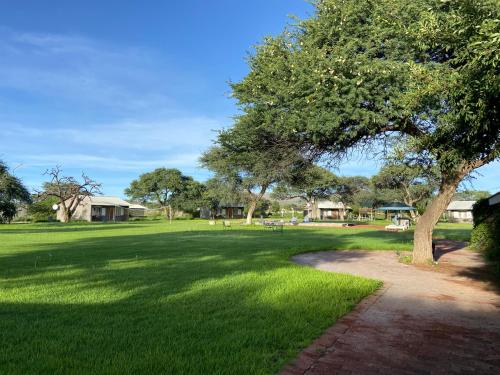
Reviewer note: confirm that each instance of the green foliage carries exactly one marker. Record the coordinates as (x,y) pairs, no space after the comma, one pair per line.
(405,180)
(485,236)
(423,74)
(12,193)
(161,186)
(275,207)
(41,209)
(471,195)
(311,182)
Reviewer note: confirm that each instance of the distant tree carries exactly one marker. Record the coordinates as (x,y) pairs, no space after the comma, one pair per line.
(41,209)
(12,193)
(251,162)
(275,207)
(68,190)
(190,198)
(409,182)
(161,186)
(310,183)
(218,191)
(471,195)
(422,73)
(355,190)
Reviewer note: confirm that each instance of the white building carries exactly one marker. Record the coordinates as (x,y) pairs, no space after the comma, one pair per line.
(460,211)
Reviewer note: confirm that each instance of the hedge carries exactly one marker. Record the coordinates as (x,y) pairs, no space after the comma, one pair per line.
(485,235)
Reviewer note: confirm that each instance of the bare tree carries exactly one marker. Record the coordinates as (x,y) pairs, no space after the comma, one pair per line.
(68,190)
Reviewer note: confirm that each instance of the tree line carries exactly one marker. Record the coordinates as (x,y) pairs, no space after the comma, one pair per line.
(170,191)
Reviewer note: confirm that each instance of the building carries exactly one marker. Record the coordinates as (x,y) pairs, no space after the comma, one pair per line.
(137,210)
(225,210)
(326,210)
(460,211)
(99,208)
(494,200)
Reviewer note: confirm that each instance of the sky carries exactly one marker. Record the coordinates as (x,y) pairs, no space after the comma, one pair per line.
(118,88)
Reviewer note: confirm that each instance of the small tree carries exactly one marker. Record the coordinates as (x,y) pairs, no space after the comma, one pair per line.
(41,209)
(68,190)
(410,182)
(12,193)
(160,186)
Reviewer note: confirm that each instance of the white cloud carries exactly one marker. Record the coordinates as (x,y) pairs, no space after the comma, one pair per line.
(85,161)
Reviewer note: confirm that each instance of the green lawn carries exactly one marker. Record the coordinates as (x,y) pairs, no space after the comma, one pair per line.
(153,297)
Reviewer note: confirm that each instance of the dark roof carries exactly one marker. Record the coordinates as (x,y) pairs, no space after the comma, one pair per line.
(396,206)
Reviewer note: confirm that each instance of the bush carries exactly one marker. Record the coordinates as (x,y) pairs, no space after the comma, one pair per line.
(482,237)
(485,236)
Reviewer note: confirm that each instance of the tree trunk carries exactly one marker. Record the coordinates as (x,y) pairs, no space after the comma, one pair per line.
(251,209)
(66,217)
(422,238)
(253,202)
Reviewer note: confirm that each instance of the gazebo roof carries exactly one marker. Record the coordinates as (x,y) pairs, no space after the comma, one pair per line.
(396,206)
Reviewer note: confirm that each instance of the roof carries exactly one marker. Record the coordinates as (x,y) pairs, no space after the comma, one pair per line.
(330,205)
(494,199)
(103,200)
(460,206)
(396,206)
(135,206)
(230,204)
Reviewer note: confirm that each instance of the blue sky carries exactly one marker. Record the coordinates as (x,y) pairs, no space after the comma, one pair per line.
(118,88)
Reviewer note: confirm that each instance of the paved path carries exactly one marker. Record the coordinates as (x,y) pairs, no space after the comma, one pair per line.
(426,320)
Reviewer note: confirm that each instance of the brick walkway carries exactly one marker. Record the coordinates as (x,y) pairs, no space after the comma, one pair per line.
(440,321)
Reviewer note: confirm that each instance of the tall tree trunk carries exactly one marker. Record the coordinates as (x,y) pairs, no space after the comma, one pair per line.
(255,198)
(251,209)
(422,238)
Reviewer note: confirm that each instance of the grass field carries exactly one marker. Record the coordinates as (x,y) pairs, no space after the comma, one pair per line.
(153,297)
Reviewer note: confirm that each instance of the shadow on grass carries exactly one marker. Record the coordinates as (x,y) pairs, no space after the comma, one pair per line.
(203,301)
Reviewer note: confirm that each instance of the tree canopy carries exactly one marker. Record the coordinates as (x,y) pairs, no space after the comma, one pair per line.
(159,186)
(310,183)
(68,191)
(251,161)
(407,181)
(12,193)
(423,73)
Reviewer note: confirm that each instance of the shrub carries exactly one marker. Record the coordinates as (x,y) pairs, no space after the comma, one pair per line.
(485,236)
(482,237)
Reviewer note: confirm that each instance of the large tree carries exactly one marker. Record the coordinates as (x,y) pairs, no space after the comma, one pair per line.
(68,191)
(12,193)
(421,73)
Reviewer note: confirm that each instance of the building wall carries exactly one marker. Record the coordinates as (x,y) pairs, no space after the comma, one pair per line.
(136,212)
(82,212)
(226,212)
(456,216)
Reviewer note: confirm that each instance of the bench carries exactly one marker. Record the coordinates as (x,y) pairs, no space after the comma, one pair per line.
(226,224)
(274,226)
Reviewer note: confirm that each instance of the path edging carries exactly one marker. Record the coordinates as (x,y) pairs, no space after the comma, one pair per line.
(324,344)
